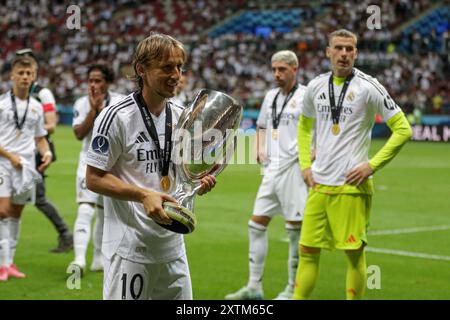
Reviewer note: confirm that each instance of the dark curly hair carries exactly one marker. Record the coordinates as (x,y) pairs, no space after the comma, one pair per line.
(107,72)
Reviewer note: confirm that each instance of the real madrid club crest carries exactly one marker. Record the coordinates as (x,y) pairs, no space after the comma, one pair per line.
(351,96)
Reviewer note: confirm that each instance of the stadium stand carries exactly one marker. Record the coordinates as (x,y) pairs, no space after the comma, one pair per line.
(230,43)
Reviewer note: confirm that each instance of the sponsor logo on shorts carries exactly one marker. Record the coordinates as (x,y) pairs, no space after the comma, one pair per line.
(351,239)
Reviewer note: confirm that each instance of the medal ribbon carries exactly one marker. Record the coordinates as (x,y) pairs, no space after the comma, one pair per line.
(19,124)
(151,129)
(275,118)
(336,109)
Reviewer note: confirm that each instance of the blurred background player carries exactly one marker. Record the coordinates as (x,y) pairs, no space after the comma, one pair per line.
(86,110)
(22,123)
(47,100)
(282,189)
(343,103)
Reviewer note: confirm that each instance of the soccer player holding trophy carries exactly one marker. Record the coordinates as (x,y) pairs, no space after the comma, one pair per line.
(343,103)
(129,161)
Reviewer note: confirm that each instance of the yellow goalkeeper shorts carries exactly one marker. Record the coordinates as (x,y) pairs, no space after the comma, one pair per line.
(336,221)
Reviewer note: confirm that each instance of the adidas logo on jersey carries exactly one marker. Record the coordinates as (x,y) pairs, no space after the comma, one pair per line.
(141,138)
(351,239)
(322,96)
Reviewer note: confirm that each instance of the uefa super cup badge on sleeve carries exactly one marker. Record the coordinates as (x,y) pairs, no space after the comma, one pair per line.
(204,142)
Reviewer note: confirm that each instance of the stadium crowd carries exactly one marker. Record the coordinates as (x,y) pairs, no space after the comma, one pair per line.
(414,67)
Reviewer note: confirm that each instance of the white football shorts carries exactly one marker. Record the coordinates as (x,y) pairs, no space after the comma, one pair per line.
(84,195)
(128,280)
(7,190)
(282,192)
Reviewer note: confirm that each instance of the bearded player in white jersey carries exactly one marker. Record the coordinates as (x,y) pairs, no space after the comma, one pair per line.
(282,190)
(129,161)
(22,130)
(343,104)
(86,110)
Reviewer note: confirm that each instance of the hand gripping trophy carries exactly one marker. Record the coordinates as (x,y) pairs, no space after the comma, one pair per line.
(205,140)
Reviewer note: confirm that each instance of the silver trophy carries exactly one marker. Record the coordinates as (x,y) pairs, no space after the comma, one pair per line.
(204,142)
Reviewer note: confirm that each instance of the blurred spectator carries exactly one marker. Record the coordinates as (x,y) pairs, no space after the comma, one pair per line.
(413,66)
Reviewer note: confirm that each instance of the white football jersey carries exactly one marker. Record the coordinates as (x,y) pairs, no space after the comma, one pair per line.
(46,96)
(21,142)
(282,151)
(122,146)
(81,109)
(337,154)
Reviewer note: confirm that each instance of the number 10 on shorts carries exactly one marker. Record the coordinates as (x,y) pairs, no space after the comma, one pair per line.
(135,285)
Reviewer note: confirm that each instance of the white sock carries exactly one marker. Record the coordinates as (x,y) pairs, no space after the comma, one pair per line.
(14,231)
(98,232)
(257,253)
(4,243)
(82,231)
(294,238)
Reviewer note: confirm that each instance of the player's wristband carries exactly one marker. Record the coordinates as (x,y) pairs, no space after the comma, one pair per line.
(48,153)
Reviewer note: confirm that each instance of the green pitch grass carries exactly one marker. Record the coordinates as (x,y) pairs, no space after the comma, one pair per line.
(412,191)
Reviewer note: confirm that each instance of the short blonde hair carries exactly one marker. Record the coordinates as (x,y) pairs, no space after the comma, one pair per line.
(344,33)
(155,47)
(286,56)
(24,61)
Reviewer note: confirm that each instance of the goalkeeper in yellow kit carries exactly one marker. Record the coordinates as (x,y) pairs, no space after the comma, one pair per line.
(343,104)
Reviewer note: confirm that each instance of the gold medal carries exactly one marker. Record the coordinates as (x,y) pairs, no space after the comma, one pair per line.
(165,183)
(18,134)
(274,134)
(335,129)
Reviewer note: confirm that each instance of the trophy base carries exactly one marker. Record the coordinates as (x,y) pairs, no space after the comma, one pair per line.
(183,220)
